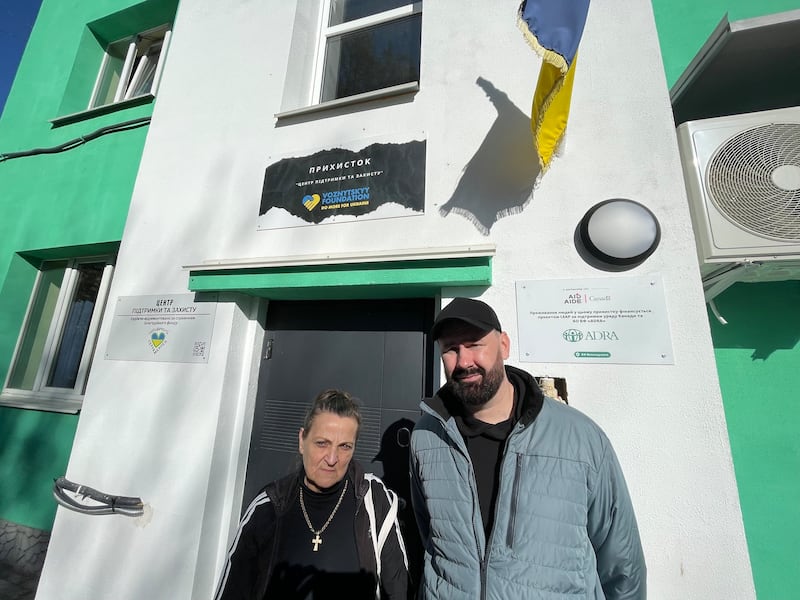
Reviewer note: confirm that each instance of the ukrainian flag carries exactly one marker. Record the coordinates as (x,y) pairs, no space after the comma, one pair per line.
(553,28)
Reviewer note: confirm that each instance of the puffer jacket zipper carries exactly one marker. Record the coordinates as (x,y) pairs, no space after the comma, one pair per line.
(512,517)
(474,487)
(515,485)
(484,562)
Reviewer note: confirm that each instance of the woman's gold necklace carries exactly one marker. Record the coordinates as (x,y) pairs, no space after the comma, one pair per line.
(316,540)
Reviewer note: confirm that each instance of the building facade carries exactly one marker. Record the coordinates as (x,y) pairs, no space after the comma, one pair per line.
(303,202)
(757,346)
(68,161)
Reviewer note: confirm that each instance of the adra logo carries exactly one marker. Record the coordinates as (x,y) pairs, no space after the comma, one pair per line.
(602,336)
(575,335)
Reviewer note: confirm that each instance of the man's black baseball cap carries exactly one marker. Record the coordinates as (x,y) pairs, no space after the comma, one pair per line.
(474,312)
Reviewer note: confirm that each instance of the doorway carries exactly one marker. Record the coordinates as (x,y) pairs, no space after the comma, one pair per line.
(378,350)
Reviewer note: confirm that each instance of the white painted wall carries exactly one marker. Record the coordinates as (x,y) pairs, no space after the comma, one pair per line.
(176,434)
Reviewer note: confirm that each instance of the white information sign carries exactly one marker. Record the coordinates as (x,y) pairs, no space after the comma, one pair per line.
(162,328)
(620,320)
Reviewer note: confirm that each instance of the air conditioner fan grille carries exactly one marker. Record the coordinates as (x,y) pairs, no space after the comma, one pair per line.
(742,182)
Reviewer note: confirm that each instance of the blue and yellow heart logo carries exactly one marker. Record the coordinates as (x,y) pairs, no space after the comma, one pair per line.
(311,201)
(157,338)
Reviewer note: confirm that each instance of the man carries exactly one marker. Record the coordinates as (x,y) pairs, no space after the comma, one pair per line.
(516,495)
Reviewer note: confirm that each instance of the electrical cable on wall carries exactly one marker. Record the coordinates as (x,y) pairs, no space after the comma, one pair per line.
(89,501)
(74,143)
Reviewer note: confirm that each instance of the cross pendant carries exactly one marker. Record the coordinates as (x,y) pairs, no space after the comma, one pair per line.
(316,541)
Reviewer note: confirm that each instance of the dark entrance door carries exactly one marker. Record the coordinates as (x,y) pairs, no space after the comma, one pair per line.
(375,349)
(378,350)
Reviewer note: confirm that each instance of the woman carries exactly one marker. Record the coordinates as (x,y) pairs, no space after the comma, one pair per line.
(327,530)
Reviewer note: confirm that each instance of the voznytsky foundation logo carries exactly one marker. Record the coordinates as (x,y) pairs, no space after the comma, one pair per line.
(311,201)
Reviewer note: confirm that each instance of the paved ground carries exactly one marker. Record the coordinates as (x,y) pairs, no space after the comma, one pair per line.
(22,551)
(17,585)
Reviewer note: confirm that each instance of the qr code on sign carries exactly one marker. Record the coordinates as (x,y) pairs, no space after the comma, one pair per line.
(199,349)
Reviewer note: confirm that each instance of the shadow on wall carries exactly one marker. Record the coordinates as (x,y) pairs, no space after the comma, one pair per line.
(394,453)
(498,180)
(762,316)
(34,450)
(14,295)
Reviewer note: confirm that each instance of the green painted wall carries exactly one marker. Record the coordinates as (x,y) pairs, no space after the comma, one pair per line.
(758,359)
(51,204)
(684,25)
(757,352)
(34,450)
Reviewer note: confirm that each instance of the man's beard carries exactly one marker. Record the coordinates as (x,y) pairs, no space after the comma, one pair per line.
(475,395)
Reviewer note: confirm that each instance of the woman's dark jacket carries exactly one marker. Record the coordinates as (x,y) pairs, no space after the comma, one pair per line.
(250,562)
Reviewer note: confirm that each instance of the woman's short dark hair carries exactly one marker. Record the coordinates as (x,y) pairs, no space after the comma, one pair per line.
(333,401)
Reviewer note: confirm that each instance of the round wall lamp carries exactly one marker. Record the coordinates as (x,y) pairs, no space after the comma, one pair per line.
(617,235)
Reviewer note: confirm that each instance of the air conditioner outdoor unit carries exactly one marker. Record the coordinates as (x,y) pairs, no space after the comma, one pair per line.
(742,177)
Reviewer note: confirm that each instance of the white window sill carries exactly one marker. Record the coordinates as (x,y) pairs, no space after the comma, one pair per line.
(102,110)
(396,90)
(48,401)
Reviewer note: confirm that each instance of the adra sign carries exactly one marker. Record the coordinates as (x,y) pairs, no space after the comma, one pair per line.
(609,320)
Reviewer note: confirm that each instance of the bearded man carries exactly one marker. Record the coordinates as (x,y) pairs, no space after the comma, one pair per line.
(516,495)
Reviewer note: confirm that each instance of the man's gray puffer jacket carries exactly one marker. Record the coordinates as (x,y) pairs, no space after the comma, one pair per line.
(564,525)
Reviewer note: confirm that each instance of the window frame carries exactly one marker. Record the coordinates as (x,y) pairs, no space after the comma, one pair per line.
(128,79)
(42,396)
(328,31)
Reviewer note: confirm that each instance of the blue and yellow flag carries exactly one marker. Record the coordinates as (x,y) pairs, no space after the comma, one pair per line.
(553,28)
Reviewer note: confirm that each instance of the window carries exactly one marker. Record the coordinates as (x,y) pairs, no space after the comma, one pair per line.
(131,67)
(367,45)
(54,351)
(119,60)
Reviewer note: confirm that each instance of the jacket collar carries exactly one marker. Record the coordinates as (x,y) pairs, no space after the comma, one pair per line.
(446,405)
(284,491)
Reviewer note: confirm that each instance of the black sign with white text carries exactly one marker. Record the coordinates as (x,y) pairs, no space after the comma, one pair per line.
(380,180)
